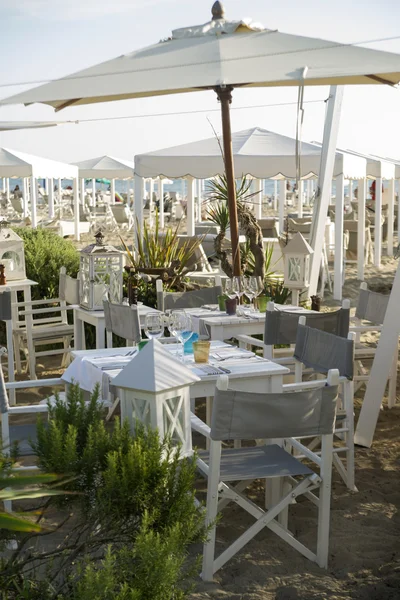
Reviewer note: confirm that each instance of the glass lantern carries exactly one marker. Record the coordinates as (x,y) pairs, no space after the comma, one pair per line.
(297,263)
(101,268)
(12,254)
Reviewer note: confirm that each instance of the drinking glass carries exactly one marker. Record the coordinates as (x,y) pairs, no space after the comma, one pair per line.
(180,325)
(238,287)
(251,289)
(229,289)
(154,325)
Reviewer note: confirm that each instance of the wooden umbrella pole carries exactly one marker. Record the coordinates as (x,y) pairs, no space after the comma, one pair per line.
(225,97)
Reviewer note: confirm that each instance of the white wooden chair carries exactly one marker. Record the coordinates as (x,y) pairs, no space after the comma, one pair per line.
(46,322)
(370,312)
(123,216)
(192,299)
(321,352)
(244,415)
(281,329)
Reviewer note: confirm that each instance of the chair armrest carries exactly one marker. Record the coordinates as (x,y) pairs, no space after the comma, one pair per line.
(25,410)
(247,339)
(36,302)
(199,426)
(42,311)
(364,328)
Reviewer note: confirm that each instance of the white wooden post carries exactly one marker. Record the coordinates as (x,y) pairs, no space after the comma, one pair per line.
(51,199)
(60,192)
(190,207)
(82,192)
(383,361)
(275,199)
(258,199)
(339,213)
(350,190)
(76,209)
(8,190)
(139,199)
(378,224)
(300,199)
(328,150)
(46,186)
(33,203)
(112,190)
(93,202)
(362,194)
(25,197)
(161,203)
(282,202)
(198,194)
(390,222)
(151,192)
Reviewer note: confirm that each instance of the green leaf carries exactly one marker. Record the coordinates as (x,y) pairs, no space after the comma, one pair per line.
(14,523)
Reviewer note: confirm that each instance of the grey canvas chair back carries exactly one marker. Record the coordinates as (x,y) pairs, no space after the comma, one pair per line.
(193,299)
(372,306)
(323,351)
(122,320)
(5,306)
(68,289)
(295,226)
(249,415)
(281,326)
(120,213)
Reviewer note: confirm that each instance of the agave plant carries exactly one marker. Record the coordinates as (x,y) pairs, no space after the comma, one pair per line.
(154,252)
(23,488)
(218,213)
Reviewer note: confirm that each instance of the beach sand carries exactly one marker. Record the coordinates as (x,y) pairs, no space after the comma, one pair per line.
(364,557)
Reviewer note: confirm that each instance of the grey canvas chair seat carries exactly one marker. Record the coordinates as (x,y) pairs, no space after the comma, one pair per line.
(258,462)
(181,300)
(243,415)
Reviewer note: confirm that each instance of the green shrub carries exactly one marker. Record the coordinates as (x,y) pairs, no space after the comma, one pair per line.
(45,253)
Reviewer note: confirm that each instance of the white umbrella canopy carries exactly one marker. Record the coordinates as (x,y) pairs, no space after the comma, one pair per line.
(257,152)
(219,55)
(19,164)
(106,166)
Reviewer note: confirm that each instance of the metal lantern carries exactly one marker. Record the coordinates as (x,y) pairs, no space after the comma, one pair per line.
(297,264)
(101,268)
(154,389)
(12,254)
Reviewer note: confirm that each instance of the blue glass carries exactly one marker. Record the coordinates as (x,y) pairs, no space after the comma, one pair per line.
(188,345)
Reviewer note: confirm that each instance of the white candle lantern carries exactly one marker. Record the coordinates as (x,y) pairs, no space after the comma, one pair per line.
(101,270)
(154,389)
(12,254)
(297,263)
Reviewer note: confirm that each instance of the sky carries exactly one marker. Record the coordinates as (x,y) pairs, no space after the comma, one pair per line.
(41,40)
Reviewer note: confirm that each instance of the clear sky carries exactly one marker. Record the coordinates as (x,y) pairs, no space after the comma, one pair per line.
(46,39)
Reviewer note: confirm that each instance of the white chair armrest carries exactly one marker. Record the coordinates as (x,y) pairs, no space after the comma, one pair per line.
(247,339)
(364,328)
(43,311)
(30,409)
(36,302)
(199,426)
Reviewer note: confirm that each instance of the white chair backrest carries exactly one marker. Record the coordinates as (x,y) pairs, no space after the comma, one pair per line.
(371,306)
(250,415)
(68,290)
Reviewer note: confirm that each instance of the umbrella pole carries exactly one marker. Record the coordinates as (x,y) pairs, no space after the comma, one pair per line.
(225,97)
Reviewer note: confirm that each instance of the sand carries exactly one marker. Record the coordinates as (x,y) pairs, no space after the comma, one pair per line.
(364,558)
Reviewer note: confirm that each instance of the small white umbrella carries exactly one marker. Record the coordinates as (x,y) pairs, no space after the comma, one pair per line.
(219,55)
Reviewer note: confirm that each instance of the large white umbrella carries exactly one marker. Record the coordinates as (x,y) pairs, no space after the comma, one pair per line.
(219,55)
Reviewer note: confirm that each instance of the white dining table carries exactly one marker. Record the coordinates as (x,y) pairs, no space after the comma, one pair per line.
(97,319)
(247,372)
(218,325)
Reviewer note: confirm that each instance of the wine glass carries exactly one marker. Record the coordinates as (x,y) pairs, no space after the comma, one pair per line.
(154,325)
(180,325)
(251,289)
(238,287)
(229,289)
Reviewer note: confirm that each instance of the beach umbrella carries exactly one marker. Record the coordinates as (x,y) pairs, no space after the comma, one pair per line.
(219,55)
